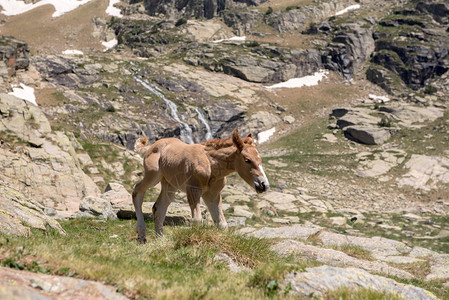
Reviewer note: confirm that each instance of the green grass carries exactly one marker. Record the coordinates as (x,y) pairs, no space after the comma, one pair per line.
(10,140)
(180,265)
(355,251)
(360,294)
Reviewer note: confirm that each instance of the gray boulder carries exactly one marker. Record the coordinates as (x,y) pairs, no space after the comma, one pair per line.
(96,207)
(367,134)
(409,115)
(117,196)
(354,116)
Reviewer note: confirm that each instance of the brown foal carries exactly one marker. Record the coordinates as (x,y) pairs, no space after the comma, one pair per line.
(199,170)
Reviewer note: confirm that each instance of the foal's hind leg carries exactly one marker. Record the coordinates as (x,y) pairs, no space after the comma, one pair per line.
(160,207)
(150,179)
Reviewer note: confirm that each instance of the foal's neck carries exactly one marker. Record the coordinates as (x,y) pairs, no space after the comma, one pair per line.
(221,155)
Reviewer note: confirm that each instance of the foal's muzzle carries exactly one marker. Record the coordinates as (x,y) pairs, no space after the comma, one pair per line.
(260,184)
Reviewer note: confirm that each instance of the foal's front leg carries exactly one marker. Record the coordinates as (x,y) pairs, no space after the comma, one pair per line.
(193,197)
(214,205)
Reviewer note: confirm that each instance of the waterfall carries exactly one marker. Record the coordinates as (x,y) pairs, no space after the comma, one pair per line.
(205,123)
(186,131)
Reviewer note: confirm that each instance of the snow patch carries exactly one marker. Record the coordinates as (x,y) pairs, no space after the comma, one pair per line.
(234,38)
(309,80)
(15,7)
(72,52)
(112,43)
(379,99)
(25,93)
(264,136)
(349,8)
(112,10)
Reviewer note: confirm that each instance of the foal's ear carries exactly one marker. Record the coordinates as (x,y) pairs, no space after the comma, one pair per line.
(237,140)
(251,139)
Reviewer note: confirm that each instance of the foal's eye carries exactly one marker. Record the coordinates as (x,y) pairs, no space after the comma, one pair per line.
(247,161)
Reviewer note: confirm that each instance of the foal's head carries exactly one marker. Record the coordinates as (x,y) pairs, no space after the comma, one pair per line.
(248,162)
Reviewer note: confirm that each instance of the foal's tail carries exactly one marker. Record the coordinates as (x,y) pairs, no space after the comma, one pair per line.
(141,145)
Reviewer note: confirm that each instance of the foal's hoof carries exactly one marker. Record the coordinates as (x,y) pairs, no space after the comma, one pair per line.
(142,240)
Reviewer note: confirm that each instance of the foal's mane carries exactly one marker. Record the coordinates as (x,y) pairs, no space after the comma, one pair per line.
(225,143)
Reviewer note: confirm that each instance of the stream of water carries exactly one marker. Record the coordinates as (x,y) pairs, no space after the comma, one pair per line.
(205,123)
(186,131)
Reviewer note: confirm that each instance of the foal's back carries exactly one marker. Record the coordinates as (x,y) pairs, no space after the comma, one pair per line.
(178,163)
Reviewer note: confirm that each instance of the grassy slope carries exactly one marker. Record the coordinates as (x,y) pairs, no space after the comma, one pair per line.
(180,265)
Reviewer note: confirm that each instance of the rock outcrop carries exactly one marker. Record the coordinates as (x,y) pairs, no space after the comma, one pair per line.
(194,9)
(321,280)
(40,163)
(64,71)
(425,172)
(329,249)
(16,284)
(18,213)
(411,46)
(294,17)
(351,46)
(13,56)
(260,63)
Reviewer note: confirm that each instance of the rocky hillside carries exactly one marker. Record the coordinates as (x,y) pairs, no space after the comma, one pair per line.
(348,101)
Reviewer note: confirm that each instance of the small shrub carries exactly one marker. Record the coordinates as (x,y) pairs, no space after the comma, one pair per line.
(291,7)
(267,277)
(269,11)
(110,109)
(120,39)
(384,122)
(180,22)
(430,90)
(252,44)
